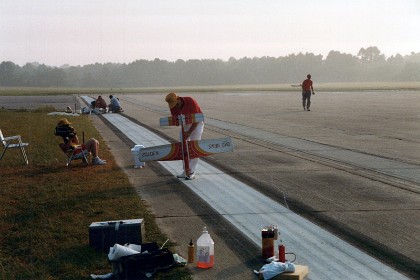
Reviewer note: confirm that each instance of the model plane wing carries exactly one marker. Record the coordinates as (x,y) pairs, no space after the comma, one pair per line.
(197,148)
(162,153)
(207,147)
(175,120)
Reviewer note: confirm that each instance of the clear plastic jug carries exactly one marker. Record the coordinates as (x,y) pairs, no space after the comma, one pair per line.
(205,250)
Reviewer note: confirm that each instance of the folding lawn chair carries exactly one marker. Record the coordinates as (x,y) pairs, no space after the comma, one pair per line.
(72,152)
(7,143)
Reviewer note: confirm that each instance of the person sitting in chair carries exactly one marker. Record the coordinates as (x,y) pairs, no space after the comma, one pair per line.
(70,138)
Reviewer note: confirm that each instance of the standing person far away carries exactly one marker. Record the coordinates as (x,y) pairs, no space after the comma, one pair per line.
(306,92)
(187,106)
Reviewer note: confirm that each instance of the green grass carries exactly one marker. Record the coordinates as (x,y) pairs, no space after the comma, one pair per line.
(46,207)
(21,91)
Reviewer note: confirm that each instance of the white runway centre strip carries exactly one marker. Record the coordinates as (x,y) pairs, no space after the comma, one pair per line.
(327,256)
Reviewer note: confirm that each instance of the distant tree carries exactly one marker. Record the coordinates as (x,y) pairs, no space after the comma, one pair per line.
(8,73)
(413,57)
(411,72)
(368,65)
(56,77)
(396,60)
(27,75)
(340,67)
(340,59)
(411,68)
(46,76)
(87,80)
(371,55)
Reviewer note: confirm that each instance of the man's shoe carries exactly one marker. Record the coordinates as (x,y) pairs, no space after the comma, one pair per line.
(307,109)
(98,161)
(182,175)
(190,177)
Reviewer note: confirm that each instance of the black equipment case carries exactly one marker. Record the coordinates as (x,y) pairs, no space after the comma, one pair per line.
(103,235)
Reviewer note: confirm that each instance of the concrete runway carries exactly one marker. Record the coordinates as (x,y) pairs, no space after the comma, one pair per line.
(376,209)
(59,102)
(350,166)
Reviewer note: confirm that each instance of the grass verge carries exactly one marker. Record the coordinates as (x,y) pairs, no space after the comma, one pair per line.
(47,207)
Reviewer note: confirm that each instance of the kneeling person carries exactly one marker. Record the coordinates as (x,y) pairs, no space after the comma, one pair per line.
(115,105)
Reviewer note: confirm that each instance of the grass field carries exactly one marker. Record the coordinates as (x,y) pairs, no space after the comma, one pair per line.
(46,207)
(6,91)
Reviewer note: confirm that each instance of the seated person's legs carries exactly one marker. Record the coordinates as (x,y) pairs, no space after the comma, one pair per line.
(92,145)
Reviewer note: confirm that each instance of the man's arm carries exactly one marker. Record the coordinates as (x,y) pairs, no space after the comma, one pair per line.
(74,141)
(192,128)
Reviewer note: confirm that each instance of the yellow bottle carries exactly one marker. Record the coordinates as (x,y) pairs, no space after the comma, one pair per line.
(191,252)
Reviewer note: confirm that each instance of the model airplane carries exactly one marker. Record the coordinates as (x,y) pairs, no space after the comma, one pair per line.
(185,150)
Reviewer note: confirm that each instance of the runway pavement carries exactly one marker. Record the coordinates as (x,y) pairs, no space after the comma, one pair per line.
(59,102)
(349,166)
(373,196)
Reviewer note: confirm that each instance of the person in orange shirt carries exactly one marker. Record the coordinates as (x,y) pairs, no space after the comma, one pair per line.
(307,89)
(186,106)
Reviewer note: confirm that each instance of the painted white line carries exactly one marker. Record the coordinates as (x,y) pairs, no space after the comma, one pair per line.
(327,256)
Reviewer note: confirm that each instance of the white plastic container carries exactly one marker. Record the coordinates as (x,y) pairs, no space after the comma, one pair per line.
(205,250)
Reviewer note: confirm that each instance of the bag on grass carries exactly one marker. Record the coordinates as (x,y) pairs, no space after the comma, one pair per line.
(150,260)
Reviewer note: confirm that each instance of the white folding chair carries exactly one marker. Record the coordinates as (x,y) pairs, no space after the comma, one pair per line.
(7,143)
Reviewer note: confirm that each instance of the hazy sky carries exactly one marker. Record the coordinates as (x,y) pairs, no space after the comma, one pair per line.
(79,32)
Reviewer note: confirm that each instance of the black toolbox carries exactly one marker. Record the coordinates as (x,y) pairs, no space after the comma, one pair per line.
(103,235)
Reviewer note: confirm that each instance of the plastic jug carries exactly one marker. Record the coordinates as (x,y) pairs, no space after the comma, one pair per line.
(205,250)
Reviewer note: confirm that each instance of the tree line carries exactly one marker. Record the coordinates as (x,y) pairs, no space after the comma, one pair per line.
(369,65)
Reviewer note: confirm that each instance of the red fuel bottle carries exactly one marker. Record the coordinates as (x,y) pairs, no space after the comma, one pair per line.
(282,253)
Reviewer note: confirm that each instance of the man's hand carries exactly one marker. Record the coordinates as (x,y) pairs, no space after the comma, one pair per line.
(313,92)
(188,133)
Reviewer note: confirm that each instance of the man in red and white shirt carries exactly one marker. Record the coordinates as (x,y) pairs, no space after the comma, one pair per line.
(187,106)
(306,92)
